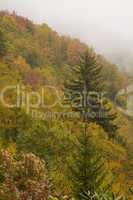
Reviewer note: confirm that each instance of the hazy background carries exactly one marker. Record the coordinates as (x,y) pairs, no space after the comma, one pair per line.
(107,25)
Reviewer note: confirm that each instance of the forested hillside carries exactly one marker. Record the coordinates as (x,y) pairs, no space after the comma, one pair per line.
(57,147)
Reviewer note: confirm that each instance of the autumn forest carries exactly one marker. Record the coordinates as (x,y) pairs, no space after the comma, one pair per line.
(65,132)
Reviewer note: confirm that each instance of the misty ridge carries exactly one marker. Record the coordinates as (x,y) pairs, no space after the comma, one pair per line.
(114,47)
(104,25)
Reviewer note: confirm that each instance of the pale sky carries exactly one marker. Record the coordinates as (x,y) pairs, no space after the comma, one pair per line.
(107,25)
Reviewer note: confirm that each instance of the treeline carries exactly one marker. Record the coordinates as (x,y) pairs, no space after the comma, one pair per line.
(28,45)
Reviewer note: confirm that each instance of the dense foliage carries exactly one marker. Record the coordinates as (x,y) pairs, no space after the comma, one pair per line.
(56,152)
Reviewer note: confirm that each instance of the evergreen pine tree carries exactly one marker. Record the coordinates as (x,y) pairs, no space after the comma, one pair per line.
(87,170)
(86,89)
